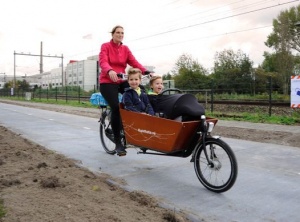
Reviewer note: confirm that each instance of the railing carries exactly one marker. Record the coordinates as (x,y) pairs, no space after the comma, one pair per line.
(208,97)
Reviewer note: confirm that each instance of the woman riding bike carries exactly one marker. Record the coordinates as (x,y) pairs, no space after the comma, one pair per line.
(114,58)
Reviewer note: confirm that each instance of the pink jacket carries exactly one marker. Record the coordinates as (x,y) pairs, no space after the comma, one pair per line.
(115,57)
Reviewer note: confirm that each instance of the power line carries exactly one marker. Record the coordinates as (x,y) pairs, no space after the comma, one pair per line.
(202,12)
(213,9)
(205,37)
(225,12)
(41,56)
(237,8)
(210,21)
(245,6)
(206,22)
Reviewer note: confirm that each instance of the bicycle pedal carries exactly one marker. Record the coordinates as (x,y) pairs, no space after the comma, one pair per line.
(121,154)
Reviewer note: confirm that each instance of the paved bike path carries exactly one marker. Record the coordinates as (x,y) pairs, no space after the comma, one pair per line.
(267,187)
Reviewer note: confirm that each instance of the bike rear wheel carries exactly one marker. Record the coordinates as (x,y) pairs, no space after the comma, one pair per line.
(220,172)
(106,133)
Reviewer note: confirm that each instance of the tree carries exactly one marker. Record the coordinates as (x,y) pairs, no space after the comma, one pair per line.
(232,71)
(296,70)
(23,85)
(285,39)
(189,74)
(269,63)
(167,76)
(285,35)
(261,80)
(8,84)
(282,65)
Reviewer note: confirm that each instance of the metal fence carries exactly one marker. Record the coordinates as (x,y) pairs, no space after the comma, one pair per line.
(209,97)
(58,93)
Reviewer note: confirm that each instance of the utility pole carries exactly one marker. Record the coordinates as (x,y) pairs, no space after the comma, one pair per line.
(41,63)
(14,82)
(41,59)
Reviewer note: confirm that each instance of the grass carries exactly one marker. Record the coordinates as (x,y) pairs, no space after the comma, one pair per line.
(2,209)
(85,104)
(246,97)
(258,118)
(74,103)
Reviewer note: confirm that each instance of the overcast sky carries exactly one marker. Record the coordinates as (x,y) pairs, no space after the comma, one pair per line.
(158,32)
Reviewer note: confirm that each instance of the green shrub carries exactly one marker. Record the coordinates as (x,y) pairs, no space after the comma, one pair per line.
(2,209)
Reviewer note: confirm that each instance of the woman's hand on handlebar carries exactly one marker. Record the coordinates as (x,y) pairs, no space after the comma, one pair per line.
(150,73)
(113,75)
(116,76)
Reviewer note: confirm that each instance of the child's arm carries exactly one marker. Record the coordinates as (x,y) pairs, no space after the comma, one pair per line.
(128,102)
(149,106)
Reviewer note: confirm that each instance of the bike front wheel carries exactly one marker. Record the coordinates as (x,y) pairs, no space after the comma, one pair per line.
(218,173)
(106,133)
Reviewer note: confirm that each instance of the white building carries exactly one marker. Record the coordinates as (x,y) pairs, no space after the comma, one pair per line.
(77,73)
(51,79)
(32,80)
(82,73)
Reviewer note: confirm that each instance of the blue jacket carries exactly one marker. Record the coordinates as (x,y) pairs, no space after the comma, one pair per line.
(133,102)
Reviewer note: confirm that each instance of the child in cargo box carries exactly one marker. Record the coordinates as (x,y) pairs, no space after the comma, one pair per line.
(156,85)
(180,107)
(134,98)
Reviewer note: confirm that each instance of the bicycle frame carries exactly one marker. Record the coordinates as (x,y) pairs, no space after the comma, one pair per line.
(214,161)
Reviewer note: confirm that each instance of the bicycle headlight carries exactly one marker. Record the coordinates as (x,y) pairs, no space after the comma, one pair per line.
(210,127)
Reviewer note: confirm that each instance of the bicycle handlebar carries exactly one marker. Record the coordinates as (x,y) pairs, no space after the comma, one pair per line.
(147,72)
(124,76)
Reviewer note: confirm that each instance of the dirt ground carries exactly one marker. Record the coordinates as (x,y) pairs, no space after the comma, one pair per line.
(37,184)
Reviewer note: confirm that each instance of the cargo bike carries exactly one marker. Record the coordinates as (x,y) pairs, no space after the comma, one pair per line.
(214,161)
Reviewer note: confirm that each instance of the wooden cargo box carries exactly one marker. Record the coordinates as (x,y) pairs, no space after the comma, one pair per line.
(157,133)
